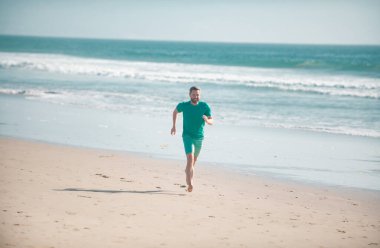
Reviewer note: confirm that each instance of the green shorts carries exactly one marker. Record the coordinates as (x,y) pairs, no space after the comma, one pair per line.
(189,143)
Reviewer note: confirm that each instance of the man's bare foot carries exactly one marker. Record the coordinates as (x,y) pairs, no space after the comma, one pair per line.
(190,188)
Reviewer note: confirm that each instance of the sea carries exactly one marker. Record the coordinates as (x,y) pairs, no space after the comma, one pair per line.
(309,113)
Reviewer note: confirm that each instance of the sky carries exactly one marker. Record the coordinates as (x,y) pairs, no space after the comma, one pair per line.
(252,21)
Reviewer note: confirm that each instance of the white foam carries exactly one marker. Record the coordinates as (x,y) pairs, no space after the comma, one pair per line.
(279,79)
(333,130)
(100,100)
(295,123)
(142,103)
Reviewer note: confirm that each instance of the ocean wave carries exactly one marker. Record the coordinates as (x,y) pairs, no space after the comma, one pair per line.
(278,79)
(139,102)
(117,101)
(333,130)
(315,124)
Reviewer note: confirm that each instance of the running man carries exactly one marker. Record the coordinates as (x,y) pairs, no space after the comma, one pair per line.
(195,115)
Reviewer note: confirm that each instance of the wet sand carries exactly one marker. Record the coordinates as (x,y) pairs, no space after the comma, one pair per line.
(60,196)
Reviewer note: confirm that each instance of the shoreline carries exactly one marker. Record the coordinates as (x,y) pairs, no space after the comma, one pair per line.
(224,167)
(64,196)
(318,157)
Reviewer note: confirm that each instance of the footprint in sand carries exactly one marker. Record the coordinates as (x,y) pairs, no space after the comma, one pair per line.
(122,179)
(84,196)
(101,175)
(105,156)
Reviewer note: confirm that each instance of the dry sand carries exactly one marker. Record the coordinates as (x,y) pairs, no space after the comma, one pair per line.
(58,196)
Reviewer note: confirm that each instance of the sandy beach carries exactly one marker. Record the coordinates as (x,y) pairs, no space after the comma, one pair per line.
(60,196)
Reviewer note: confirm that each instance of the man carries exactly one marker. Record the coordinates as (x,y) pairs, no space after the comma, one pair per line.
(195,115)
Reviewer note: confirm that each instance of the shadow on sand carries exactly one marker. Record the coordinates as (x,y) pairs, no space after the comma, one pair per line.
(150,192)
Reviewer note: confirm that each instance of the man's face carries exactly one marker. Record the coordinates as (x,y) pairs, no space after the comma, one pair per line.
(195,96)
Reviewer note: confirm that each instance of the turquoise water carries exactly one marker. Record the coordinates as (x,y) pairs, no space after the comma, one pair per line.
(350,59)
(321,101)
(319,88)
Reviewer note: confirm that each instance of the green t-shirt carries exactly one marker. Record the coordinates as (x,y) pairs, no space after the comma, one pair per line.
(193,122)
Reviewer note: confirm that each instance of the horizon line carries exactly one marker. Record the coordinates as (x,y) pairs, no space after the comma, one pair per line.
(190,41)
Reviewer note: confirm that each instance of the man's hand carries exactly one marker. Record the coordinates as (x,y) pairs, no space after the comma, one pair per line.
(173,131)
(207,119)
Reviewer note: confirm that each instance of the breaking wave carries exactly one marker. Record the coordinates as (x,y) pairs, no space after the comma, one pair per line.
(279,79)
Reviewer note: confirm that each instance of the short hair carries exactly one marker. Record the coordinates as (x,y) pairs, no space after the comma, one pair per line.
(193,88)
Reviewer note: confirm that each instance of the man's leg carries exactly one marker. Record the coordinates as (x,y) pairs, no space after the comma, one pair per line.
(195,160)
(188,145)
(193,157)
(192,149)
(197,149)
(190,171)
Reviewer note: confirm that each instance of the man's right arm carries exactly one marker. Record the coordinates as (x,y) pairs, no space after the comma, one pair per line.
(175,113)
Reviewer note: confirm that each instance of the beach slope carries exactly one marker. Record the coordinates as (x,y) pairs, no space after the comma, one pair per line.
(59,196)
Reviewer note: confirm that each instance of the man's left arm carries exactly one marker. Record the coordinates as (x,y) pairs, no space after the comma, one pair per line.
(207,116)
(208,119)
